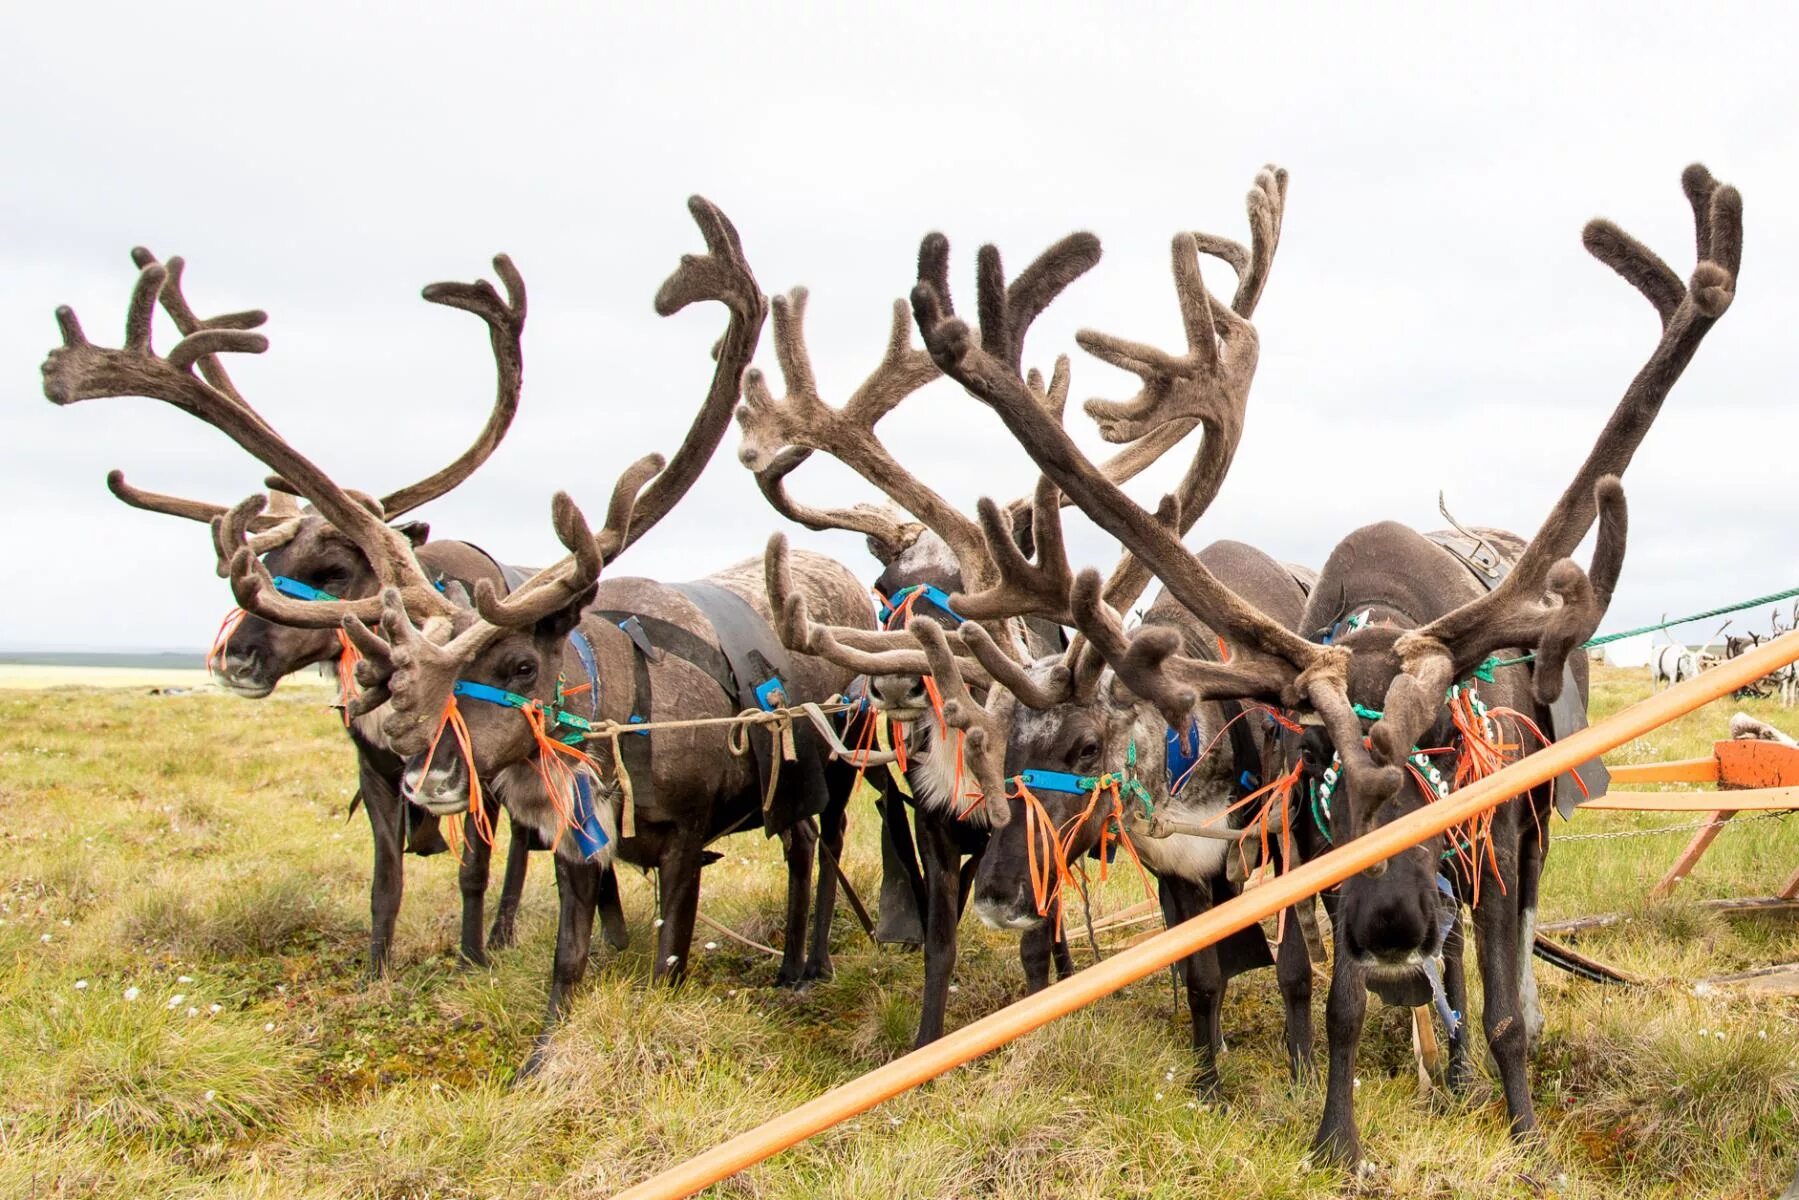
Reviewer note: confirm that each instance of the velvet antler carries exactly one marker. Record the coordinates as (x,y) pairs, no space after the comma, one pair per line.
(1548,602)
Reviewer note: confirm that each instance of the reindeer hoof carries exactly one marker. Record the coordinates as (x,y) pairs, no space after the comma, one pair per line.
(1335,1147)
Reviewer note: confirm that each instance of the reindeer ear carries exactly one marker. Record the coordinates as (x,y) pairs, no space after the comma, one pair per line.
(416,532)
(562,622)
(883,550)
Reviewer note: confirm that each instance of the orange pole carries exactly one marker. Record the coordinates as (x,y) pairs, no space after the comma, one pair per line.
(1146,958)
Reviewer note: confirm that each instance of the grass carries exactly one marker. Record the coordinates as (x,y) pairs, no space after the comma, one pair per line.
(183,1013)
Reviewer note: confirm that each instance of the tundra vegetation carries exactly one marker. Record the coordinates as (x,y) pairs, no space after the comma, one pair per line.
(153,871)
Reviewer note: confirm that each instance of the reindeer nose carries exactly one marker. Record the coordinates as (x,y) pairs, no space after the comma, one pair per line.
(899,692)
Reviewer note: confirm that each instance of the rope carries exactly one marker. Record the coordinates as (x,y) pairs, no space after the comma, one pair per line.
(1605,639)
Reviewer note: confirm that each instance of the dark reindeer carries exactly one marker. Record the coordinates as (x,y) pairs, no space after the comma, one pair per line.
(944,551)
(1054,730)
(651,652)
(1379,690)
(308,551)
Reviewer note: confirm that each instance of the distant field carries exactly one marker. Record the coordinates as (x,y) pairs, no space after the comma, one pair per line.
(39,676)
(183,914)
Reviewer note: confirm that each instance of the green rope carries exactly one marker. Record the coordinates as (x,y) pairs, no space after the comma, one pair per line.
(1486,669)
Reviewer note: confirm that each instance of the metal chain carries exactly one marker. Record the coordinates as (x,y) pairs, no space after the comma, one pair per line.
(1684,826)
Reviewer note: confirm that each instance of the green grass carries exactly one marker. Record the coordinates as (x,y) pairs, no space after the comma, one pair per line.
(196,847)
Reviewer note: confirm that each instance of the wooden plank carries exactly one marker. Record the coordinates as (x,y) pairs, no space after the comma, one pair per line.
(1756,800)
(1689,858)
(1686,770)
(1782,980)
(1752,763)
(1790,890)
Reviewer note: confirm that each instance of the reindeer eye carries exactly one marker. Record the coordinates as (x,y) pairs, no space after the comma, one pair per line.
(1088,752)
(525,670)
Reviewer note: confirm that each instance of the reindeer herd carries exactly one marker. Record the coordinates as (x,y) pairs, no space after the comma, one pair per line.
(1259,713)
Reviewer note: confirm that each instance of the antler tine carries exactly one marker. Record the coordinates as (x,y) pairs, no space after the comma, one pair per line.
(722,274)
(174,302)
(1023,588)
(779,434)
(1149,662)
(1267,208)
(186,323)
(984,734)
(1514,613)
(1013,675)
(879,522)
(558,586)
(864,651)
(79,370)
(1043,438)
(506,326)
(174,506)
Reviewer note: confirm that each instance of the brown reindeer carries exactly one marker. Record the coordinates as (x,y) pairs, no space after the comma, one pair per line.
(1087,759)
(306,550)
(943,550)
(1379,690)
(651,652)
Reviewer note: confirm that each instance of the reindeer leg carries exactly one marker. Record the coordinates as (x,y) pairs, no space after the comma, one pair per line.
(1063,959)
(800,842)
(1204,980)
(577,886)
(1496,942)
(1460,1071)
(943,912)
(678,880)
(471,877)
(832,824)
(386,810)
(1293,970)
(1344,1014)
(512,887)
(612,911)
(1034,948)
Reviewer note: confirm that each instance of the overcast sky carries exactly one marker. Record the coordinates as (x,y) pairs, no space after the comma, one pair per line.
(1432,320)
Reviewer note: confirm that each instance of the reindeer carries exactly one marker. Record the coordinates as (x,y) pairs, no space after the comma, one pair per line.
(645,651)
(944,551)
(1381,689)
(309,555)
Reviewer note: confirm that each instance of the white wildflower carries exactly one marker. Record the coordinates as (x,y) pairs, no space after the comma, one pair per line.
(132,993)
(184,979)
(177,1000)
(711,945)
(214,1009)
(81,986)
(269,1027)
(45,939)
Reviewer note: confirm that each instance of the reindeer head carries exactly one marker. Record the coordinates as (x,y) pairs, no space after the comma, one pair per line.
(1399,679)
(473,685)
(304,555)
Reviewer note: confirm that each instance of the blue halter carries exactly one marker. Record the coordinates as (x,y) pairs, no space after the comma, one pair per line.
(296,590)
(590,835)
(926,591)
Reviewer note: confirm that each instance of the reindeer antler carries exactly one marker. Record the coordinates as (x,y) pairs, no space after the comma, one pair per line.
(1209,385)
(1547,601)
(506,326)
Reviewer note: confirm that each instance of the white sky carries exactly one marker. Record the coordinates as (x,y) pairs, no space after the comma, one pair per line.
(1432,320)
